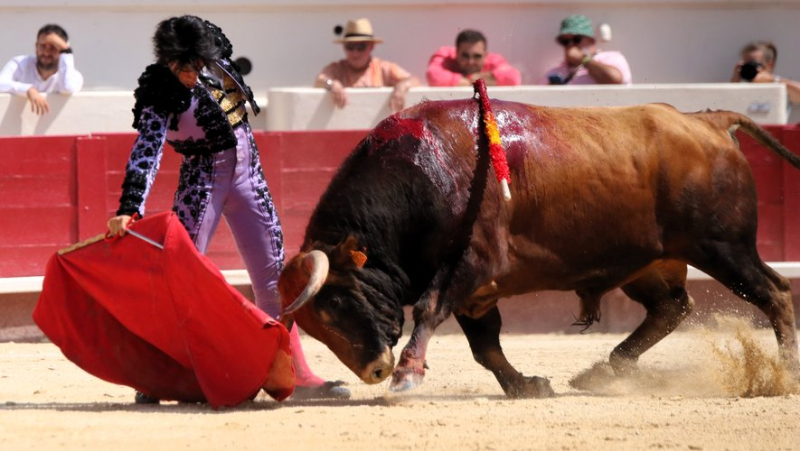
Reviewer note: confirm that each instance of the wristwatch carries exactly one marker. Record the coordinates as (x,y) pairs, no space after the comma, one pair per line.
(328,84)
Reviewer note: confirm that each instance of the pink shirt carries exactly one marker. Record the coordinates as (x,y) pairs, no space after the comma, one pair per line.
(443,69)
(582,77)
(378,73)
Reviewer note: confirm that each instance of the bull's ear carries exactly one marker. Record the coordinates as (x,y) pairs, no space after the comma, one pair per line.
(350,253)
(359,258)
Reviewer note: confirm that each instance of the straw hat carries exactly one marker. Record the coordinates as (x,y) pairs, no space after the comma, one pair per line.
(359,30)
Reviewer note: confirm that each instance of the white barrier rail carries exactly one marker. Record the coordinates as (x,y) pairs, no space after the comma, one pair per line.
(239,277)
(313,109)
(79,114)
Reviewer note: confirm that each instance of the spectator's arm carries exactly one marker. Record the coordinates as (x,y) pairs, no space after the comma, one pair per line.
(322,80)
(438,74)
(69,80)
(504,73)
(612,68)
(329,72)
(604,74)
(7,83)
(792,89)
(335,86)
(401,80)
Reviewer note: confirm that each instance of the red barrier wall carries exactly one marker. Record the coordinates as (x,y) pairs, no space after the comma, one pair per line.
(59,190)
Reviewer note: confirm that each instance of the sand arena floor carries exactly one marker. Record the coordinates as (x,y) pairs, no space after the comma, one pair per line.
(699,389)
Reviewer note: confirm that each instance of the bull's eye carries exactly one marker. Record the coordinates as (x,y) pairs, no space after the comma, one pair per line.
(335,303)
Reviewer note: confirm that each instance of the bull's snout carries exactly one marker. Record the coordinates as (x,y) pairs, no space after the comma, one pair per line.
(379,369)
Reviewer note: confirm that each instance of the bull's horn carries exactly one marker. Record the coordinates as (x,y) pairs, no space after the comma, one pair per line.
(317,262)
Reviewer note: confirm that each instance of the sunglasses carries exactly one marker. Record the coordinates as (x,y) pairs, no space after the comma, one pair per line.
(566,42)
(355,46)
(473,56)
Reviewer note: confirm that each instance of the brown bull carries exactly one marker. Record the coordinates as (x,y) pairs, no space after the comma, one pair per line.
(601,198)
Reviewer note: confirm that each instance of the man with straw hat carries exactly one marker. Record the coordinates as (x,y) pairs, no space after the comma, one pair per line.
(583,63)
(359,69)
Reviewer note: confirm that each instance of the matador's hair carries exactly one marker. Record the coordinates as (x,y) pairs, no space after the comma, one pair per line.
(185,40)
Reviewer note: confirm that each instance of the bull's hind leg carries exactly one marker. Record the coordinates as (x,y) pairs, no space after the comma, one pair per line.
(483,335)
(738,267)
(662,292)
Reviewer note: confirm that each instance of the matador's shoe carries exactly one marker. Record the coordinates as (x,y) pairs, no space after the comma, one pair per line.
(328,390)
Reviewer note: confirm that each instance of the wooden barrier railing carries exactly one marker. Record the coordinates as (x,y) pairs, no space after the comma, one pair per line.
(61,189)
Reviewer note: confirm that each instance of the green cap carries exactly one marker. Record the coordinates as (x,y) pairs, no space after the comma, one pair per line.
(577,24)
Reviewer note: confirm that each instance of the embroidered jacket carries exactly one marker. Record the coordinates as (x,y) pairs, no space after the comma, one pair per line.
(197,121)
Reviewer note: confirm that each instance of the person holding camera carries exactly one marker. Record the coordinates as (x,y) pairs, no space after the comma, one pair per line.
(757,65)
(51,69)
(584,63)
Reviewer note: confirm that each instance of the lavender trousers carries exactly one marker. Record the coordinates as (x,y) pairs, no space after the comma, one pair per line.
(231,183)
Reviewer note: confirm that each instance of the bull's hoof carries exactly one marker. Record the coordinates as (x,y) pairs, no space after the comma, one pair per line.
(623,366)
(404,379)
(531,387)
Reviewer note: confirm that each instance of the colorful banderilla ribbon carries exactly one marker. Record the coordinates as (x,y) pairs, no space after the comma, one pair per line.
(496,152)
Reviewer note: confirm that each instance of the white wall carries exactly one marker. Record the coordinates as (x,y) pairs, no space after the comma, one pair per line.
(666,41)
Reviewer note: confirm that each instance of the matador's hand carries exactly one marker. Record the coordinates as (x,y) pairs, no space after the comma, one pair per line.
(118,225)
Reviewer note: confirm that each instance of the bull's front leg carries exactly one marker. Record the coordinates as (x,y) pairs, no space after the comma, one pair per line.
(428,313)
(483,334)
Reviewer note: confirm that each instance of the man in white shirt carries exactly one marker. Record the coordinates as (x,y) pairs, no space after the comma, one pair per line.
(51,69)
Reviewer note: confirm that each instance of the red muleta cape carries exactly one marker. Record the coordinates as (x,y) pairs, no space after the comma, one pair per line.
(164,322)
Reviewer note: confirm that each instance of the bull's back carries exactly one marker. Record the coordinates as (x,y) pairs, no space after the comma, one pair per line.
(603,190)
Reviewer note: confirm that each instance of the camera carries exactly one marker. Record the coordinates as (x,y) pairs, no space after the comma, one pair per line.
(555,79)
(748,71)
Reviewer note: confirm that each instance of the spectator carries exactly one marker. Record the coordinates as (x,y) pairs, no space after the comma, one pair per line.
(360,69)
(584,63)
(757,65)
(468,61)
(51,69)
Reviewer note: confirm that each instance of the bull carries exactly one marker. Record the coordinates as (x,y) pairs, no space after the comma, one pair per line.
(601,198)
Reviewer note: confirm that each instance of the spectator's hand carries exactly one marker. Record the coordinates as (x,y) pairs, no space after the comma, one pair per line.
(118,225)
(56,41)
(398,100)
(465,81)
(574,55)
(39,104)
(339,94)
(488,78)
(736,77)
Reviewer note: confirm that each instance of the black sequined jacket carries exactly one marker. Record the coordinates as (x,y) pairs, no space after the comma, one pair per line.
(196,121)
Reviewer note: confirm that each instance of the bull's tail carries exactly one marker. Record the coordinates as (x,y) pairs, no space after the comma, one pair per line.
(732,121)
